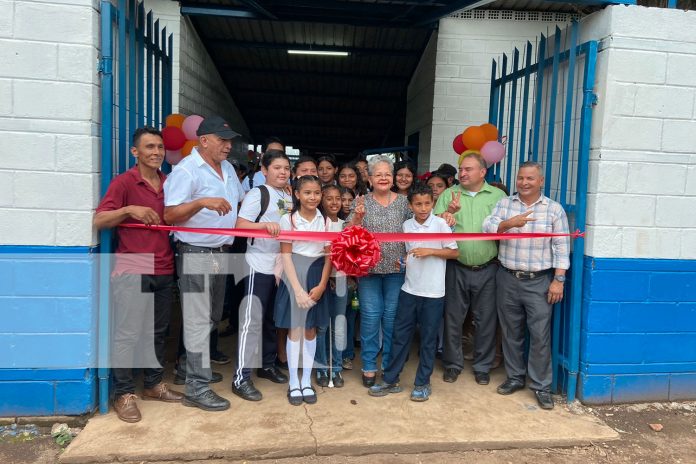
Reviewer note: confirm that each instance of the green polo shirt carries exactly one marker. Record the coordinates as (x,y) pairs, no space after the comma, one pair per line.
(470,219)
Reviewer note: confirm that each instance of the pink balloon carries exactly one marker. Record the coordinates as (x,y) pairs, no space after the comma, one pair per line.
(173,156)
(493,152)
(190,126)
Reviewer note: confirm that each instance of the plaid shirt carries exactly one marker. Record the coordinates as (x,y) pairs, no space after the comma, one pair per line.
(532,254)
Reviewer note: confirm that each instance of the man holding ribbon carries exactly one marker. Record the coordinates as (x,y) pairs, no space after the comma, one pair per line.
(470,280)
(203,191)
(530,280)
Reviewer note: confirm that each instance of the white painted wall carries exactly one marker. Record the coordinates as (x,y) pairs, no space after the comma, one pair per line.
(467,43)
(643,158)
(49,121)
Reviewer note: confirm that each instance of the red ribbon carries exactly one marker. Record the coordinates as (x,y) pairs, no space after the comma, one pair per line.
(291,235)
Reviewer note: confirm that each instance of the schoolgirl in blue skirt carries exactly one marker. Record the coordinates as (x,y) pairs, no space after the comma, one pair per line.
(301,305)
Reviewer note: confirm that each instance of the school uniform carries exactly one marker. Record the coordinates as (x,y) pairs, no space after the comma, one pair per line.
(421,302)
(257,331)
(308,260)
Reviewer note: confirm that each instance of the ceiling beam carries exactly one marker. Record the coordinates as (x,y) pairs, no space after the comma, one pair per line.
(227,43)
(332,74)
(216,11)
(256,6)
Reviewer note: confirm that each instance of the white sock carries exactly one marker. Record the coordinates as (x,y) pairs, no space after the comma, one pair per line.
(309,348)
(293,350)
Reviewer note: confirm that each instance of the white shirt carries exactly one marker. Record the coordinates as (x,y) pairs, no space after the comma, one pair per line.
(259,179)
(192,179)
(262,253)
(334,227)
(312,249)
(426,276)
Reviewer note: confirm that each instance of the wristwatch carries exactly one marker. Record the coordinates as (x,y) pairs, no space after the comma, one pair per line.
(560,278)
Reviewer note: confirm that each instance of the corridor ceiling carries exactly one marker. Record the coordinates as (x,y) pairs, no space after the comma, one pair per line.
(321,104)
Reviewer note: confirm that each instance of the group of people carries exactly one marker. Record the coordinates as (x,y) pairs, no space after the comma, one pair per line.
(291,287)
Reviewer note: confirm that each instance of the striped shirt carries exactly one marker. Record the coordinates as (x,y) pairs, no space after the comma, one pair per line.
(532,254)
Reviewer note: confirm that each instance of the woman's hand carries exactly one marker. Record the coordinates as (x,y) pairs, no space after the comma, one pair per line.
(359,212)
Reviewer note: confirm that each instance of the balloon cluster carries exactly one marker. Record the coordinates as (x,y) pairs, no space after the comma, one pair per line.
(482,140)
(179,136)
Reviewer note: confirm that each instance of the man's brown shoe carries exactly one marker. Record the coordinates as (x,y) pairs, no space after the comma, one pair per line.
(161,392)
(126,409)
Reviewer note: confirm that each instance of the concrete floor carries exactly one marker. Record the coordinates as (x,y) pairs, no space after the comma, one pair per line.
(346,421)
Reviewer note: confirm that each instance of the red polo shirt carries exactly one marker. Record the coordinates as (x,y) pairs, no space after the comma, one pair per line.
(128,189)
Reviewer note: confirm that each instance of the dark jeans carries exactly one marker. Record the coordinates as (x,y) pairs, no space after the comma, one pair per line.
(202,286)
(415,310)
(139,328)
(257,331)
(334,336)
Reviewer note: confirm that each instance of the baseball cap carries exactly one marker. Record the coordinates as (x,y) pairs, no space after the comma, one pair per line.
(218,126)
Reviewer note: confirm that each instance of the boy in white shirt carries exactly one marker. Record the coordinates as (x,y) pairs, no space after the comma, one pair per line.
(422,297)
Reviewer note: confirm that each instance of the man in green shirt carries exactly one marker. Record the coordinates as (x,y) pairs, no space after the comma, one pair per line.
(470,281)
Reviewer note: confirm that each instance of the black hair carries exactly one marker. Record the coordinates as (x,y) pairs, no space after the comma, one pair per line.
(299,182)
(140,131)
(324,189)
(419,189)
(269,141)
(401,165)
(501,186)
(271,155)
(303,159)
(360,188)
(448,170)
(329,158)
(440,175)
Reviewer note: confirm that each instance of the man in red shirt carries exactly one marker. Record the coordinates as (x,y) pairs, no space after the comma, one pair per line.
(144,264)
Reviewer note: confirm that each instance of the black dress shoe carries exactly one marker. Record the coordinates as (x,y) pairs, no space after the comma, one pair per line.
(451,374)
(208,401)
(272,374)
(338,380)
(510,386)
(323,379)
(368,381)
(247,391)
(180,377)
(281,365)
(544,399)
(482,378)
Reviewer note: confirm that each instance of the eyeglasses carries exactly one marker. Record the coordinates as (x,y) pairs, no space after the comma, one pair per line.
(381,176)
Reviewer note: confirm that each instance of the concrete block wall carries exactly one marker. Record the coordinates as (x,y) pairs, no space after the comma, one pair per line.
(639,329)
(197,85)
(49,122)
(467,42)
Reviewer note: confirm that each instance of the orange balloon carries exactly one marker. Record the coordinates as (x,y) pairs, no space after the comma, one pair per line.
(474,138)
(188,146)
(174,120)
(490,131)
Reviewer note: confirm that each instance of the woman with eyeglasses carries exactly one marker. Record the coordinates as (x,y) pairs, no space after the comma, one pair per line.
(379,211)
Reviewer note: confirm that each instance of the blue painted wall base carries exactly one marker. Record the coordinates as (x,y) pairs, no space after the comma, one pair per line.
(638,338)
(48,332)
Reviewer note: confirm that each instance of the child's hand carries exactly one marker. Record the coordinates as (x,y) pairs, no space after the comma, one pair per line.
(316,293)
(421,252)
(272,228)
(303,299)
(449,218)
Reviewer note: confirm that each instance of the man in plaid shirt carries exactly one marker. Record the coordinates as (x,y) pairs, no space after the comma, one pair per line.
(529,281)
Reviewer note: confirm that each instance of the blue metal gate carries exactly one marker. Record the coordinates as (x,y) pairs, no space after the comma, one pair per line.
(547,118)
(139,93)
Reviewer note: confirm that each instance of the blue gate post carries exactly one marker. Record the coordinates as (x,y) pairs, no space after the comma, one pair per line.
(588,101)
(525,101)
(511,130)
(552,112)
(107,134)
(541,60)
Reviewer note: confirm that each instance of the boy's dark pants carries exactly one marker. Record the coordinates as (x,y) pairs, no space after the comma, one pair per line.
(415,310)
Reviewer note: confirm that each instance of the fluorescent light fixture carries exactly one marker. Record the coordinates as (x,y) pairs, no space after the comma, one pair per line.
(317,52)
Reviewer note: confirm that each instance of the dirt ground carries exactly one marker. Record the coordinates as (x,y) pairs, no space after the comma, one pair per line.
(639,443)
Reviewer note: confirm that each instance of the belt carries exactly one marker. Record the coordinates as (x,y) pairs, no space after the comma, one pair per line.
(525,275)
(478,267)
(201,249)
